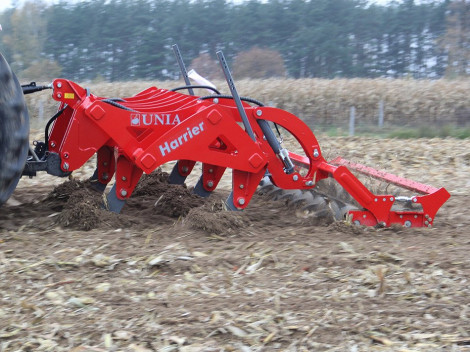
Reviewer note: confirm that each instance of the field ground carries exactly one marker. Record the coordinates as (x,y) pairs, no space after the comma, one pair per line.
(162,279)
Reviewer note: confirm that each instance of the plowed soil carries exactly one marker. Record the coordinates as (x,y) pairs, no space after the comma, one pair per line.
(176,272)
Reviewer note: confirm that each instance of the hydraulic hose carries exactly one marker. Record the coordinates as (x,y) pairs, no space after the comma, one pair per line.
(191,87)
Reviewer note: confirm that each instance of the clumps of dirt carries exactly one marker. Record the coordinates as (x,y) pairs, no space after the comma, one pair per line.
(60,195)
(153,184)
(216,220)
(81,207)
(82,211)
(344,227)
(321,217)
(170,200)
(177,201)
(155,201)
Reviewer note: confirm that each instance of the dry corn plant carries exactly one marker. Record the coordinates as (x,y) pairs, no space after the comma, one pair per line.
(321,101)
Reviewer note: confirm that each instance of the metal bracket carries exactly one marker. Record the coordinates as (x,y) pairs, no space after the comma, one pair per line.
(51,165)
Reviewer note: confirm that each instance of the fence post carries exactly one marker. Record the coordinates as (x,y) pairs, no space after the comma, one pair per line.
(352,118)
(381,113)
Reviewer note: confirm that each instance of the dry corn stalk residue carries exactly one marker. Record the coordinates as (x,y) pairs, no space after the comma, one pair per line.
(175,272)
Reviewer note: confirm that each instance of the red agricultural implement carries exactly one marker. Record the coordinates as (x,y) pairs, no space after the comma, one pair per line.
(138,134)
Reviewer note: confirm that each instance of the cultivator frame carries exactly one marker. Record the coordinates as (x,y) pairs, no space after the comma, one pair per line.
(140,133)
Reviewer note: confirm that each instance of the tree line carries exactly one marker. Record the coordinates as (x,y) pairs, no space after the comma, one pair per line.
(128,40)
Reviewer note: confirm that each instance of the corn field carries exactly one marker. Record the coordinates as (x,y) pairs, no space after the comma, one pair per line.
(325,103)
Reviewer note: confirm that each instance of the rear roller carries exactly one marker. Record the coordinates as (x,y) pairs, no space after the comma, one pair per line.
(14,131)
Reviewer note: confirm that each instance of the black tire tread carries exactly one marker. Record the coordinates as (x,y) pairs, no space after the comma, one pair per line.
(14,131)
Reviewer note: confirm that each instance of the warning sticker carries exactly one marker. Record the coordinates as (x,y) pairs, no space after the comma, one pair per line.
(69,96)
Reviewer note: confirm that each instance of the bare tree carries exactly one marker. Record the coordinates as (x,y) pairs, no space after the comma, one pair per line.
(259,63)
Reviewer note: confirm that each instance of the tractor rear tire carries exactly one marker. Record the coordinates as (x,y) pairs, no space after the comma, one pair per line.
(14,131)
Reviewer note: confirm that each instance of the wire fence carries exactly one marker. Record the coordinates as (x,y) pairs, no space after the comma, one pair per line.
(344,119)
(353,120)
